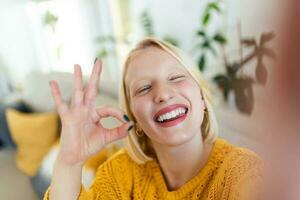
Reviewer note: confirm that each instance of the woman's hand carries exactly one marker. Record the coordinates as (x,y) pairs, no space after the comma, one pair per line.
(82,134)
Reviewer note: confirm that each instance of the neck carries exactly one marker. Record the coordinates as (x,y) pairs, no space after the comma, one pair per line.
(181,163)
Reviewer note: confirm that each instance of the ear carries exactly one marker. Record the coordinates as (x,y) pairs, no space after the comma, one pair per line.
(138,127)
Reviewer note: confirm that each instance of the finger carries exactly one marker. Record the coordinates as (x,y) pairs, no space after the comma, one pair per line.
(119,132)
(106,111)
(60,104)
(77,89)
(110,135)
(93,84)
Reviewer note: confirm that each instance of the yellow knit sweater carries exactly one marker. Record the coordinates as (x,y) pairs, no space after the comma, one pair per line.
(230,173)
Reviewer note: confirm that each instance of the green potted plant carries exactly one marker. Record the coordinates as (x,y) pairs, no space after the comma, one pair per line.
(230,81)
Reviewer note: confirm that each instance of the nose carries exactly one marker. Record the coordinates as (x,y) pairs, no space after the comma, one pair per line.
(163,93)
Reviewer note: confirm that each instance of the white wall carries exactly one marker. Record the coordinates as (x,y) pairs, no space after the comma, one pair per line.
(176,18)
(16,40)
(25,44)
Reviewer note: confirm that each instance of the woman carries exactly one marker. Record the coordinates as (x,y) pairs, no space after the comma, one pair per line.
(172,150)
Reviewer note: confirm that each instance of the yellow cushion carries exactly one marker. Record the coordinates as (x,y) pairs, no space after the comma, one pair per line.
(34,134)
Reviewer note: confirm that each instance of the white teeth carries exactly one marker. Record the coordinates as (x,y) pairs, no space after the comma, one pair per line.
(171,114)
(174,114)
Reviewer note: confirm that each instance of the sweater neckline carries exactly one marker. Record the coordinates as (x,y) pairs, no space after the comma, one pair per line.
(200,179)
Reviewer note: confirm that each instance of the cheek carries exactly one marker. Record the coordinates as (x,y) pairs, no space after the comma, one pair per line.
(140,108)
(191,89)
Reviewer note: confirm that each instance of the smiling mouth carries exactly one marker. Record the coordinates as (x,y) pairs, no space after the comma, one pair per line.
(172,115)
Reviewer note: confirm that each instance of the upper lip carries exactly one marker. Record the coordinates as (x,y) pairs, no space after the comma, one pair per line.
(168,109)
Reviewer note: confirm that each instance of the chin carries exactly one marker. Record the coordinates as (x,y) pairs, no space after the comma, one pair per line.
(173,140)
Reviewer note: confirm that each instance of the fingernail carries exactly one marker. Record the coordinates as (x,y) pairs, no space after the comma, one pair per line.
(130,127)
(126,118)
(95,60)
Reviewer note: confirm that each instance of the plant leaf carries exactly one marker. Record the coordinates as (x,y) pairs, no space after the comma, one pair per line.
(219,37)
(202,62)
(261,74)
(244,98)
(171,40)
(248,42)
(214,6)
(266,37)
(147,24)
(201,33)
(224,83)
(50,18)
(102,53)
(222,78)
(206,19)
(206,44)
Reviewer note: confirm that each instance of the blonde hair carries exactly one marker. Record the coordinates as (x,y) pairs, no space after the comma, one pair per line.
(137,146)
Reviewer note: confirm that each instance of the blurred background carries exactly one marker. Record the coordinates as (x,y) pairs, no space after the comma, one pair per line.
(233,43)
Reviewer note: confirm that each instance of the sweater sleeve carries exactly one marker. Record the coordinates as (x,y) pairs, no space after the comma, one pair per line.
(248,178)
(248,187)
(101,188)
(112,181)
(82,194)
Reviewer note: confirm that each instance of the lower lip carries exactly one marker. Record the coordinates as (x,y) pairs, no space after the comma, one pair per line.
(173,122)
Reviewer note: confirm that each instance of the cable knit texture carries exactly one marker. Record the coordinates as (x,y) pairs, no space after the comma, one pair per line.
(231,173)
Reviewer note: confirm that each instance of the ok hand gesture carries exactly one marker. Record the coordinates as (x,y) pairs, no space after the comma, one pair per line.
(82,134)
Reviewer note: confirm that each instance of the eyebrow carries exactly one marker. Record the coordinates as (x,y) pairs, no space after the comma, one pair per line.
(133,82)
(140,79)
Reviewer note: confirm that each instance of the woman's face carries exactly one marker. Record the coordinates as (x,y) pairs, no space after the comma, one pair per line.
(164,98)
